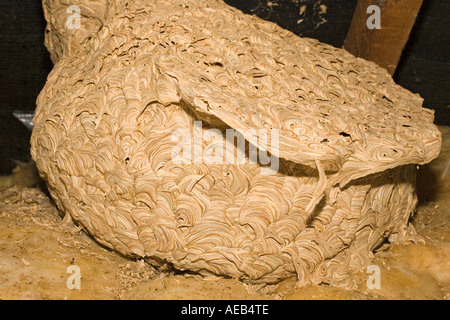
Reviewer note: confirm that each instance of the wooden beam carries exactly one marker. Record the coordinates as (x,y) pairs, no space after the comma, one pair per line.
(385,45)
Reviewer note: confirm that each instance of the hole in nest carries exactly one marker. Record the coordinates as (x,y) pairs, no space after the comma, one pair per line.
(387,99)
(214,64)
(344,134)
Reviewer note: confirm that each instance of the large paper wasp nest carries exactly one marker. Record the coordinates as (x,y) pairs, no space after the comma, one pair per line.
(133,74)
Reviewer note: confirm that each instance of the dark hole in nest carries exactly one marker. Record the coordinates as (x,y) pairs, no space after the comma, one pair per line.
(344,134)
(387,99)
(214,64)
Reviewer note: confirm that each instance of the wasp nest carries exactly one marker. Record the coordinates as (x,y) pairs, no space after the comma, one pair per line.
(133,73)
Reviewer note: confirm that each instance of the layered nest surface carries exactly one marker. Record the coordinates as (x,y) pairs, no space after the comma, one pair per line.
(344,137)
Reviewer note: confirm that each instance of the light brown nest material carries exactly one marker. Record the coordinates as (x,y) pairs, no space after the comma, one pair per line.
(136,71)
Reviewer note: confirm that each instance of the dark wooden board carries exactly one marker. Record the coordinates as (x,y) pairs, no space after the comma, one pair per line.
(384,41)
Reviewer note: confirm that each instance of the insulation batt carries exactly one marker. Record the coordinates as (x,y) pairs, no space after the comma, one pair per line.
(134,72)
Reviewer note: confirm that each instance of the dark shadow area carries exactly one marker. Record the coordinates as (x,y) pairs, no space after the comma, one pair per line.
(424,67)
(25,64)
(427,185)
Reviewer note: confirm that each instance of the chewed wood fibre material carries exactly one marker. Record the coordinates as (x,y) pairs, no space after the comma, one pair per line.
(136,72)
